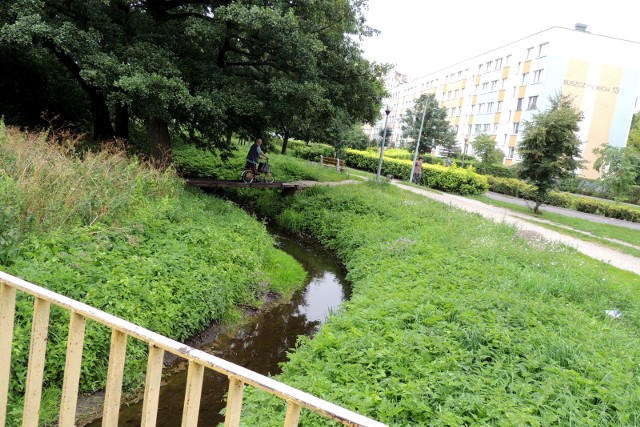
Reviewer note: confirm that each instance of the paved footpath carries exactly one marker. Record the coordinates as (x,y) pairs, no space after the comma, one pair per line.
(602,253)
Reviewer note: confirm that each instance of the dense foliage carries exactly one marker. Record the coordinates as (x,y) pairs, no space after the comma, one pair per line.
(450,179)
(434,130)
(204,69)
(108,231)
(456,320)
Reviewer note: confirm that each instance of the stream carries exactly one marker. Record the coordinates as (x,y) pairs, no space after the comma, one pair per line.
(262,343)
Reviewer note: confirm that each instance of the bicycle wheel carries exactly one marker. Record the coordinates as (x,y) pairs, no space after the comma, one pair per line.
(248,176)
(269,178)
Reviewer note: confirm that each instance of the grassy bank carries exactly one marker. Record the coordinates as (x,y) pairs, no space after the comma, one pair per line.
(109,231)
(456,320)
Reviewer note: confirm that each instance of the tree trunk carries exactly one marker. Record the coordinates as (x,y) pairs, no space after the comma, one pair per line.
(285,141)
(122,122)
(160,142)
(102,128)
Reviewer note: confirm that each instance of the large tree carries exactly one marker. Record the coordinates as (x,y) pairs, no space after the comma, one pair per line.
(620,167)
(550,147)
(485,149)
(436,129)
(205,69)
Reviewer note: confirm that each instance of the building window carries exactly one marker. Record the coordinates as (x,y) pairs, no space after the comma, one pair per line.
(533,100)
(469,129)
(459,75)
(519,107)
(489,65)
(485,86)
(480,69)
(542,49)
(485,128)
(513,95)
(524,78)
(494,85)
(511,152)
(537,76)
(508,59)
(480,108)
(489,107)
(516,127)
(498,63)
(499,107)
(477,130)
(495,128)
(529,52)
(455,94)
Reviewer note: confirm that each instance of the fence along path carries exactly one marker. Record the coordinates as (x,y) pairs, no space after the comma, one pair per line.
(158,344)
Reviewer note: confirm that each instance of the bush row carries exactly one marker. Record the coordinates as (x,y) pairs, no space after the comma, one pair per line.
(449,179)
(517,188)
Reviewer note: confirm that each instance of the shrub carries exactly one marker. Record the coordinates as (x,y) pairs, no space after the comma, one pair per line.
(194,162)
(451,179)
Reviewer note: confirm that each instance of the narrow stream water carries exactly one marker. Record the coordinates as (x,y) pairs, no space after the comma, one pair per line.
(260,345)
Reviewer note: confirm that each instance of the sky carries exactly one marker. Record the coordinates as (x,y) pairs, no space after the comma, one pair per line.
(423,36)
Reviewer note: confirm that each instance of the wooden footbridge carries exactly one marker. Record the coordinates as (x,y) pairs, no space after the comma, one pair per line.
(287,187)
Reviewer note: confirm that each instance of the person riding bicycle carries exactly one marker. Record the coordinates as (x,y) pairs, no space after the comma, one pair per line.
(253,158)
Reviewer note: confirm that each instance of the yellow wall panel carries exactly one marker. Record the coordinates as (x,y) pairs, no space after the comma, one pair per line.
(508,162)
(496,118)
(470,119)
(512,140)
(505,72)
(604,109)
(478,79)
(501,95)
(516,116)
(521,91)
(474,99)
(527,67)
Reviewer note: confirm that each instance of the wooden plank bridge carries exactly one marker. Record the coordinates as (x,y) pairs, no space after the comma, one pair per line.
(287,187)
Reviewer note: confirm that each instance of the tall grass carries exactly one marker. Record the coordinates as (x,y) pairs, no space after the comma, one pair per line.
(114,233)
(52,186)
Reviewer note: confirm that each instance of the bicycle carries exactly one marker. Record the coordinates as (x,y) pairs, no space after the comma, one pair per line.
(263,173)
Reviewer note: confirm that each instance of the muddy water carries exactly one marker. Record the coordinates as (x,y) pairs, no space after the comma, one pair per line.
(261,344)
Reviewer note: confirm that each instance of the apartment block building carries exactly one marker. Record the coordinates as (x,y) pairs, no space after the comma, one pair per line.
(495,92)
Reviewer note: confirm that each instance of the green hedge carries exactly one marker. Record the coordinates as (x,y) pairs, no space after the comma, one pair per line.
(517,188)
(450,179)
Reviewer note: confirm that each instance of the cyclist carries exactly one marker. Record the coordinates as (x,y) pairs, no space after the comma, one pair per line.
(255,152)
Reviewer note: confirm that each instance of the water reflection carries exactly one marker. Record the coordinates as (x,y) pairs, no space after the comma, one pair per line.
(262,344)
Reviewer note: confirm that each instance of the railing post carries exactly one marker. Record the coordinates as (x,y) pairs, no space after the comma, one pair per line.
(72,366)
(37,355)
(152,386)
(234,403)
(293,415)
(193,394)
(7,314)
(338,164)
(115,373)
(321,159)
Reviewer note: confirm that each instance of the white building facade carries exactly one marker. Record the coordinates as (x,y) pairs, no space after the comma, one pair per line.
(493,93)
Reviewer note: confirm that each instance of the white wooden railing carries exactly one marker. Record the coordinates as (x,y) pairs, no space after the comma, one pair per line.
(158,344)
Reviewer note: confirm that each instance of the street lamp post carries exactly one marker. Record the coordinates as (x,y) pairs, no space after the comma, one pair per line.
(464,151)
(415,154)
(384,136)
